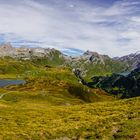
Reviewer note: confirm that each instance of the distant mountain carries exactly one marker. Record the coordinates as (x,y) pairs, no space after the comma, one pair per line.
(6,49)
(42,56)
(90,63)
(132,60)
(117,75)
(24,52)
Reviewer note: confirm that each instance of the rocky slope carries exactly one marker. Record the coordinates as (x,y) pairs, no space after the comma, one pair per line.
(94,64)
(90,63)
(132,60)
(24,52)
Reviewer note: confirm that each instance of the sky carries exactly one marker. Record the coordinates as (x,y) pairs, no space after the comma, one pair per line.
(110,27)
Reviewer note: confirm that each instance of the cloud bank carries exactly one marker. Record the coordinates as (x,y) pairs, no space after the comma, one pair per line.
(72,26)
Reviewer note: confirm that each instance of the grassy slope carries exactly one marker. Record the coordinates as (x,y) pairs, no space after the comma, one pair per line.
(108,120)
(110,67)
(11,68)
(54,105)
(60,84)
(53,59)
(98,69)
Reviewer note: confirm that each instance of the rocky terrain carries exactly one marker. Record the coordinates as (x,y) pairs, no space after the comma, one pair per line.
(90,63)
(23,52)
(132,60)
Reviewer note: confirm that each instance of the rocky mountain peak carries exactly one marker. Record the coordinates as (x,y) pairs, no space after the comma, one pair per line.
(89,53)
(93,57)
(25,53)
(133,59)
(6,47)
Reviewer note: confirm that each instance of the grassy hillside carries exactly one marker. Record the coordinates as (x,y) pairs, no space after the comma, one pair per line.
(37,120)
(54,105)
(54,58)
(10,67)
(89,69)
(108,68)
(58,85)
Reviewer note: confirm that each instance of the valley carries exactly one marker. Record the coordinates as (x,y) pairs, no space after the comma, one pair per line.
(61,100)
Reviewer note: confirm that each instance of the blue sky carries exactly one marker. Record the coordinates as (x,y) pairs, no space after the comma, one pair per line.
(109,27)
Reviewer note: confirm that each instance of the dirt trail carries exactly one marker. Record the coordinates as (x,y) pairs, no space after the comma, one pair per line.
(2,95)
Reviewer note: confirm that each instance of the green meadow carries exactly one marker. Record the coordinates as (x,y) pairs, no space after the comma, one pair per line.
(53,105)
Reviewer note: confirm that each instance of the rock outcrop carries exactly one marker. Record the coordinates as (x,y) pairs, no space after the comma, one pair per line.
(24,52)
(132,60)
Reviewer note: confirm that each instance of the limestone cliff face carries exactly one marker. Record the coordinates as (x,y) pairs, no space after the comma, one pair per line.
(23,52)
(7,50)
(132,59)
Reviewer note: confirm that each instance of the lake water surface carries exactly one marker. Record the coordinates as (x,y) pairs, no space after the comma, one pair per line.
(9,82)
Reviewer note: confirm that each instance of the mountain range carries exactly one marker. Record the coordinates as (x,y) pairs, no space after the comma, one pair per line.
(91,68)
(68,98)
(89,63)
(132,60)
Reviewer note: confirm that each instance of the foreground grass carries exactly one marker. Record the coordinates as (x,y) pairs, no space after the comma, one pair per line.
(108,120)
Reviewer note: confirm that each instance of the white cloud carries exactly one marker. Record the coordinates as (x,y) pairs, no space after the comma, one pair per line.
(136,19)
(73,24)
